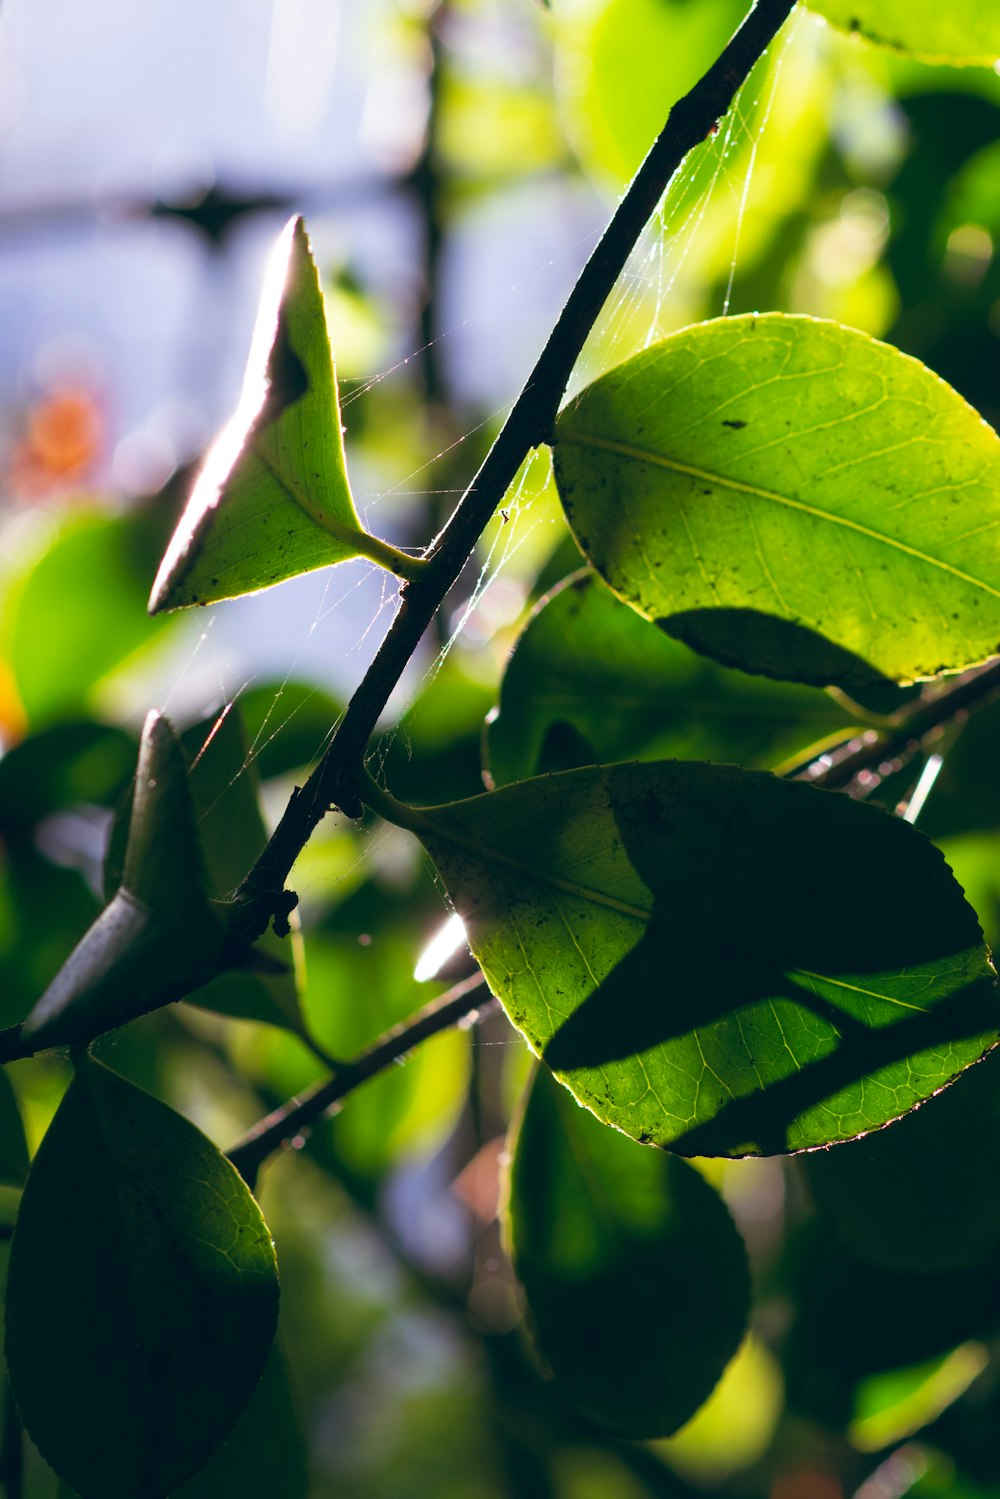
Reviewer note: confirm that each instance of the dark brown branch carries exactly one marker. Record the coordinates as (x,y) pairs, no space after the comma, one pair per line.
(462,1002)
(332,783)
(940,704)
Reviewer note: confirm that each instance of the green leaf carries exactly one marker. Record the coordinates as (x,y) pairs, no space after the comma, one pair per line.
(963,31)
(635,1277)
(714,959)
(13,1146)
(142,1294)
(273,499)
(916,1197)
(266,1454)
(589,682)
(231,833)
(356,993)
(159,938)
(641,57)
(754,483)
(77,612)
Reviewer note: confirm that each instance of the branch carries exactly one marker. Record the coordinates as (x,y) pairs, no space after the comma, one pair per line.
(300,1114)
(529,423)
(938,705)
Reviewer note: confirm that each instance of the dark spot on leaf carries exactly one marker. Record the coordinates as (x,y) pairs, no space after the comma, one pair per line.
(735,424)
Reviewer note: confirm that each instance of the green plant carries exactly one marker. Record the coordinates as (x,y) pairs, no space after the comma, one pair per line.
(723,960)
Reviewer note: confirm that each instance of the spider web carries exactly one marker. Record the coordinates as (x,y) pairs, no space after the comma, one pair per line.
(684,269)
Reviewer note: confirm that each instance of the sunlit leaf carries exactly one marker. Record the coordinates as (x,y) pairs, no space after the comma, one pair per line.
(273,499)
(962,31)
(717,960)
(589,682)
(142,1294)
(792,497)
(635,1277)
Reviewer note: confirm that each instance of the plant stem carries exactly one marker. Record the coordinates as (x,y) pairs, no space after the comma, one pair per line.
(461,1002)
(937,706)
(333,782)
(384,554)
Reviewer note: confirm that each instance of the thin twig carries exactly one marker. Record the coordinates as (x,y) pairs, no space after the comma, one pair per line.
(295,1118)
(904,730)
(332,783)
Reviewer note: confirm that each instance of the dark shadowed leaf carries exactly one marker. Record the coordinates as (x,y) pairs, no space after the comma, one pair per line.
(635,1277)
(231,832)
(142,1295)
(13,1146)
(715,959)
(273,499)
(963,31)
(919,1196)
(798,474)
(158,938)
(590,681)
(266,1455)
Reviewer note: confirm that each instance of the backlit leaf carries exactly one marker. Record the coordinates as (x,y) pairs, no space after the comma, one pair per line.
(635,1277)
(273,499)
(716,960)
(142,1293)
(792,497)
(590,681)
(962,31)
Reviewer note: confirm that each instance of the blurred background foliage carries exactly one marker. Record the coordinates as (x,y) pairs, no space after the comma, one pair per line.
(455,161)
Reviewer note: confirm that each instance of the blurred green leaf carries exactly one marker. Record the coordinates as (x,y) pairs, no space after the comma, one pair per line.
(891,1407)
(79,611)
(273,499)
(636,1280)
(142,1294)
(356,992)
(589,682)
(69,763)
(496,128)
(765,489)
(287,725)
(265,1455)
(915,1197)
(666,940)
(625,63)
(963,31)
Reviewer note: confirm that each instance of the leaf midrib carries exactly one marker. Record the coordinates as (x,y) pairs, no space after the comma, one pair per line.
(325,521)
(658,460)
